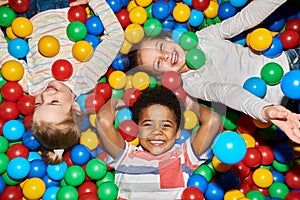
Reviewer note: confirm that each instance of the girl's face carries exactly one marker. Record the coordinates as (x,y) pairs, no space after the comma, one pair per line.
(157,129)
(161,55)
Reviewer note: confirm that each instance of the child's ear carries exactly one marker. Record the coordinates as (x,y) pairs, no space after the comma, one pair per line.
(76,108)
(178,134)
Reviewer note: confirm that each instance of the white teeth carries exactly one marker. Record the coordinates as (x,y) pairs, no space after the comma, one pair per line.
(156,141)
(174,57)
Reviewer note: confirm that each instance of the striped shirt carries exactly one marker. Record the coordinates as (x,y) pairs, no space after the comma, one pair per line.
(85,74)
(141,175)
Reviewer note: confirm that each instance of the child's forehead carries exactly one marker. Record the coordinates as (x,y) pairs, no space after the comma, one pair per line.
(157,111)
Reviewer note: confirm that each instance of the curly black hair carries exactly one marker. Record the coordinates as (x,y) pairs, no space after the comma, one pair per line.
(161,96)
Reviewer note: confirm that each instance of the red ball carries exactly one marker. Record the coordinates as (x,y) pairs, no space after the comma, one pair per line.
(244,188)
(94,102)
(62,70)
(9,110)
(108,72)
(11,193)
(12,91)
(292,196)
(2,122)
(128,129)
(19,6)
(290,39)
(104,89)
(267,154)
(252,158)
(241,170)
(131,95)
(192,193)
(171,80)
(77,13)
(17,150)
(264,191)
(87,187)
(67,158)
(180,93)
(27,122)
(293,24)
(123,17)
(26,105)
(292,179)
(200,4)
(248,180)
(245,124)
(89,196)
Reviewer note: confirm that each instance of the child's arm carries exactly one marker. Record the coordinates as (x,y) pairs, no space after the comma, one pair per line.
(210,125)
(3,2)
(110,138)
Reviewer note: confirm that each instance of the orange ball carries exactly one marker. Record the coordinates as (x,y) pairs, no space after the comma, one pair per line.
(22,27)
(12,70)
(48,46)
(82,51)
(10,34)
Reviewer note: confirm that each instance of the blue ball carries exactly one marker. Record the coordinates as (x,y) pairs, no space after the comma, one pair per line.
(94,25)
(283,152)
(198,181)
(121,62)
(93,40)
(238,3)
(13,130)
(226,10)
(229,147)
(256,86)
(125,3)
(187,2)
(160,10)
(80,154)
(123,114)
(34,155)
(275,49)
(2,185)
(18,168)
(50,193)
(275,22)
(38,169)
(290,84)
(277,176)
(177,32)
(185,134)
(18,48)
(57,172)
(215,191)
(81,100)
(115,5)
(239,39)
(230,180)
(30,141)
(168,24)
(85,123)
(196,18)
(50,182)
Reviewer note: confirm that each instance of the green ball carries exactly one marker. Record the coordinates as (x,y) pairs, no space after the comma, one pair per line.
(67,193)
(205,171)
(8,180)
(3,144)
(153,82)
(152,27)
(76,31)
(282,167)
(74,175)
(2,80)
(109,176)
(149,11)
(188,40)
(7,16)
(271,73)
(107,191)
(255,194)
(117,94)
(278,190)
(4,160)
(230,120)
(96,169)
(195,58)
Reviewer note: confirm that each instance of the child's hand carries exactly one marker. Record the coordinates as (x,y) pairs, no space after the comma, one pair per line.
(284,119)
(3,2)
(78,2)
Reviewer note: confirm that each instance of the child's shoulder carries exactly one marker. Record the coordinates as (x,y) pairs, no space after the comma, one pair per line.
(45,15)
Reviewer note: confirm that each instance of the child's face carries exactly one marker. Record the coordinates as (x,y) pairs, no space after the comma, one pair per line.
(157,129)
(54,103)
(162,55)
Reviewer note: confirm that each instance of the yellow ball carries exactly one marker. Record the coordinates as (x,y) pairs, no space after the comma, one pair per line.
(82,51)
(89,139)
(117,80)
(138,15)
(143,3)
(48,46)
(140,80)
(22,27)
(233,194)
(190,119)
(135,142)
(219,166)
(34,188)
(212,10)
(12,70)
(134,33)
(10,34)
(262,177)
(249,140)
(181,12)
(129,82)
(92,120)
(260,39)
(125,48)
(131,5)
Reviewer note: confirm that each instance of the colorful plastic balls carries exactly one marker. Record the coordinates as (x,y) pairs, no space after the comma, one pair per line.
(278,190)
(293,24)
(2,185)
(240,169)
(226,10)
(50,193)
(123,17)
(96,169)
(7,16)
(177,32)
(256,86)
(160,10)
(8,110)
(22,27)
(121,62)
(77,13)
(140,80)
(62,70)
(195,58)
(12,192)
(275,49)
(229,147)
(182,12)
(12,91)
(290,84)
(185,134)
(134,33)
(87,187)
(131,95)
(271,73)
(103,89)
(211,12)
(152,27)
(34,188)
(128,130)
(18,48)
(123,114)
(56,172)
(262,177)
(26,104)
(80,154)
(196,18)
(138,15)
(117,79)
(94,102)
(238,3)
(292,179)
(67,193)
(93,40)
(290,39)
(2,81)
(293,195)
(275,22)
(266,153)
(82,51)
(74,175)
(283,152)
(115,5)
(19,6)
(180,93)
(214,191)
(48,46)
(3,144)
(38,169)
(18,168)
(200,4)
(50,182)
(94,25)
(198,181)
(171,80)
(4,160)
(143,3)
(13,130)
(17,150)
(253,157)
(12,70)
(108,190)
(230,180)
(188,40)
(76,31)
(190,193)
(260,39)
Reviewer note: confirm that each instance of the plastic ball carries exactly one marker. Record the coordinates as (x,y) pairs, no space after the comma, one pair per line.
(17,150)
(82,51)
(80,154)
(234,194)
(212,10)
(34,188)
(108,190)
(238,3)
(96,169)
(13,130)
(131,95)
(123,17)
(134,33)
(292,196)
(3,144)
(62,70)
(26,104)
(262,177)
(214,191)
(9,33)
(226,10)
(292,179)
(192,193)
(185,134)
(50,193)
(138,15)
(229,180)
(7,16)
(74,175)
(121,62)
(160,10)
(76,31)
(48,46)
(290,84)
(12,193)
(123,114)
(12,70)
(104,89)
(180,93)
(205,171)
(229,147)
(18,48)
(293,24)
(94,25)
(195,58)
(77,13)
(256,86)
(94,102)
(278,190)
(290,39)
(177,32)
(275,49)
(22,27)
(252,158)
(271,73)
(240,169)
(4,160)
(18,168)
(8,110)
(267,154)
(171,80)
(188,40)
(89,139)
(115,5)
(260,39)
(190,119)
(128,130)
(56,172)
(38,169)
(140,80)
(93,40)
(143,3)
(67,193)
(198,181)
(19,6)
(87,187)
(181,12)
(196,18)
(283,152)
(200,4)
(117,79)
(275,22)
(12,91)
(152,27)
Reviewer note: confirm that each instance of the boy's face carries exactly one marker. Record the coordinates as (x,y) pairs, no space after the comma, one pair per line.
(157,129)
(54,103)
(162,55)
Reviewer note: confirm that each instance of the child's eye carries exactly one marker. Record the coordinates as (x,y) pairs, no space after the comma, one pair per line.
(161,46)
(147,125)
(158,64)
(54,102)
(37,105)
(166,125)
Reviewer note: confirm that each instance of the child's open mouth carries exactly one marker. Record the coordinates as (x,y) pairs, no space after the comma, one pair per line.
(174,59)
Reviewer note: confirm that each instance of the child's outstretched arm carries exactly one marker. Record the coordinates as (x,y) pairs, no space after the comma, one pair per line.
(284,119)
(3,2)
(210,125)
(110,138)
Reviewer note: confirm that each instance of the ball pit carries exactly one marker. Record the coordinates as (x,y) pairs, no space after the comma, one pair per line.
(264,171)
